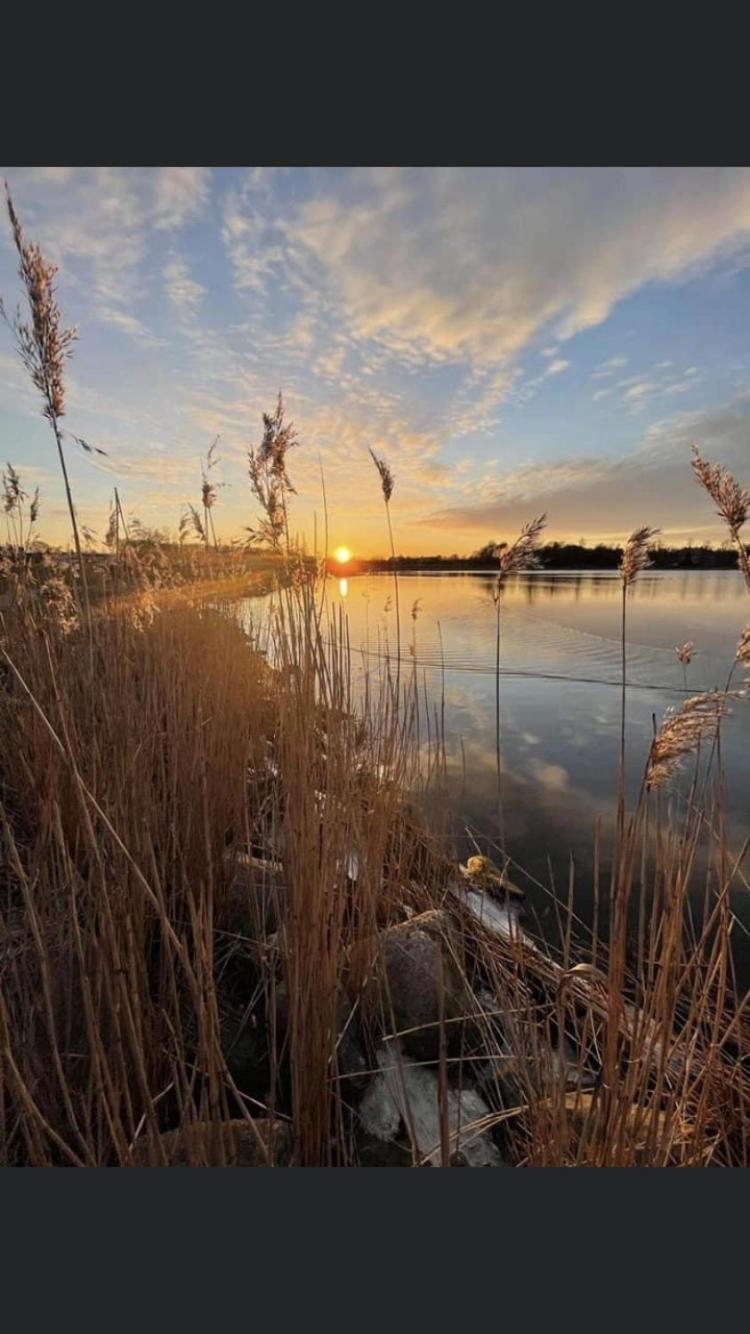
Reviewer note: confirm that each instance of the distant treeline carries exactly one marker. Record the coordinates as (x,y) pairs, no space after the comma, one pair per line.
(569,556)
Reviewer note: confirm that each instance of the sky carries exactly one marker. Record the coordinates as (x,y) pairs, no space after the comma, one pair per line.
(511,341)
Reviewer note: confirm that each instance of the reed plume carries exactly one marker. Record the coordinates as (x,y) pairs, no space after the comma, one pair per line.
(514,559)
(387,483)
(634,560)
(13,492)
(522,554)
(208,491)
(19,517)
(190,518)
(685,656)
(681,733)
(44,346)
(386,476)
(270,480)
(112,534)
(635,556)
(732,502)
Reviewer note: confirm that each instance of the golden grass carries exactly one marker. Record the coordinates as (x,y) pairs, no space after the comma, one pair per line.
(203,845)
(129,799)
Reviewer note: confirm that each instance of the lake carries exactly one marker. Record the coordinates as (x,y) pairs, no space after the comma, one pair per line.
(559,694)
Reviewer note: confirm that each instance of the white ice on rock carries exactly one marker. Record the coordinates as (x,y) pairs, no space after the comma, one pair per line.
(502,918)
(405,1091)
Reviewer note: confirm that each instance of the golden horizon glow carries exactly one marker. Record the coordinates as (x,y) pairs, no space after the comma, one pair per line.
(343,555)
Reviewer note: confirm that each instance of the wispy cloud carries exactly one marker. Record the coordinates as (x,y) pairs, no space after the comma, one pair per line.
(181,289)
(651,482)
(433,314)
(179,195)
(608,368)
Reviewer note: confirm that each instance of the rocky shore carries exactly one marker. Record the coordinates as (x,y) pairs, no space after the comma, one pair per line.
(426,1058)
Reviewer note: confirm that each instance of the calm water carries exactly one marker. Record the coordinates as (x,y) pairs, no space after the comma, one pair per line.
(559,691)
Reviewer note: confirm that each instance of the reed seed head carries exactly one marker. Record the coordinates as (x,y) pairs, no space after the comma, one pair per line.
(681,733)
(269,479)
(191,519)
(635,555)
(522,554)
(685,652)
(43,344)
(13,492)
(732,501)
(387,479)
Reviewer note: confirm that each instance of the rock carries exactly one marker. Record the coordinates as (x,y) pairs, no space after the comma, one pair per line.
(256,895)
(373,1152)
(404,1093)
(352,1066)
(499,1083)
(419,979)
(564,1064)
(244,1045)
(198,1145)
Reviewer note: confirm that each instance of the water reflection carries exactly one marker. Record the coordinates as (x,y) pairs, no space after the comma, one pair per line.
(560,696)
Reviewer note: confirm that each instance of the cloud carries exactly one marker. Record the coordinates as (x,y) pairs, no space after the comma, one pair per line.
(181,289)
(651,482)
(608,368)
(128,324)
(99,228)
(473,263)
(639,390)
(179,194)
(396,308)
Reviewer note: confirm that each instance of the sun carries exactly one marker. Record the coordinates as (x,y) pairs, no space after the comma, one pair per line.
(343,555)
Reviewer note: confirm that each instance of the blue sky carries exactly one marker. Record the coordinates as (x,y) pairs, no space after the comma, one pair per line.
(510,340)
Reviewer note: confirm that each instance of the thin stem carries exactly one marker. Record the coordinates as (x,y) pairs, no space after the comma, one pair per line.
(79,553)
(743,558)
(621,794)
(497,730)
(398,610)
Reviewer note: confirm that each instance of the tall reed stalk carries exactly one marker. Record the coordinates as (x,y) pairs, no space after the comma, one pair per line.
(44,346)
(521,556)
(634,559)
(387,484)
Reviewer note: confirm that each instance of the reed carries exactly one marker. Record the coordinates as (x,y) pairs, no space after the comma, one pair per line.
(149,813)
(732,503)
(520,556)
(44,346)
(387,483)
(209,830)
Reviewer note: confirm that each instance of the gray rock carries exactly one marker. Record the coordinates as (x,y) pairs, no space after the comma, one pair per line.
(373,1152)
(419,981)
(352,1064)
(257,895)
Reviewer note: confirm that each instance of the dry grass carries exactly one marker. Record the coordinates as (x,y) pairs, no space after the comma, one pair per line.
(204,843)
(132,952)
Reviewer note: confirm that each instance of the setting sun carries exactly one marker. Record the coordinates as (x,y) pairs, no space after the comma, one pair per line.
(343,555)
